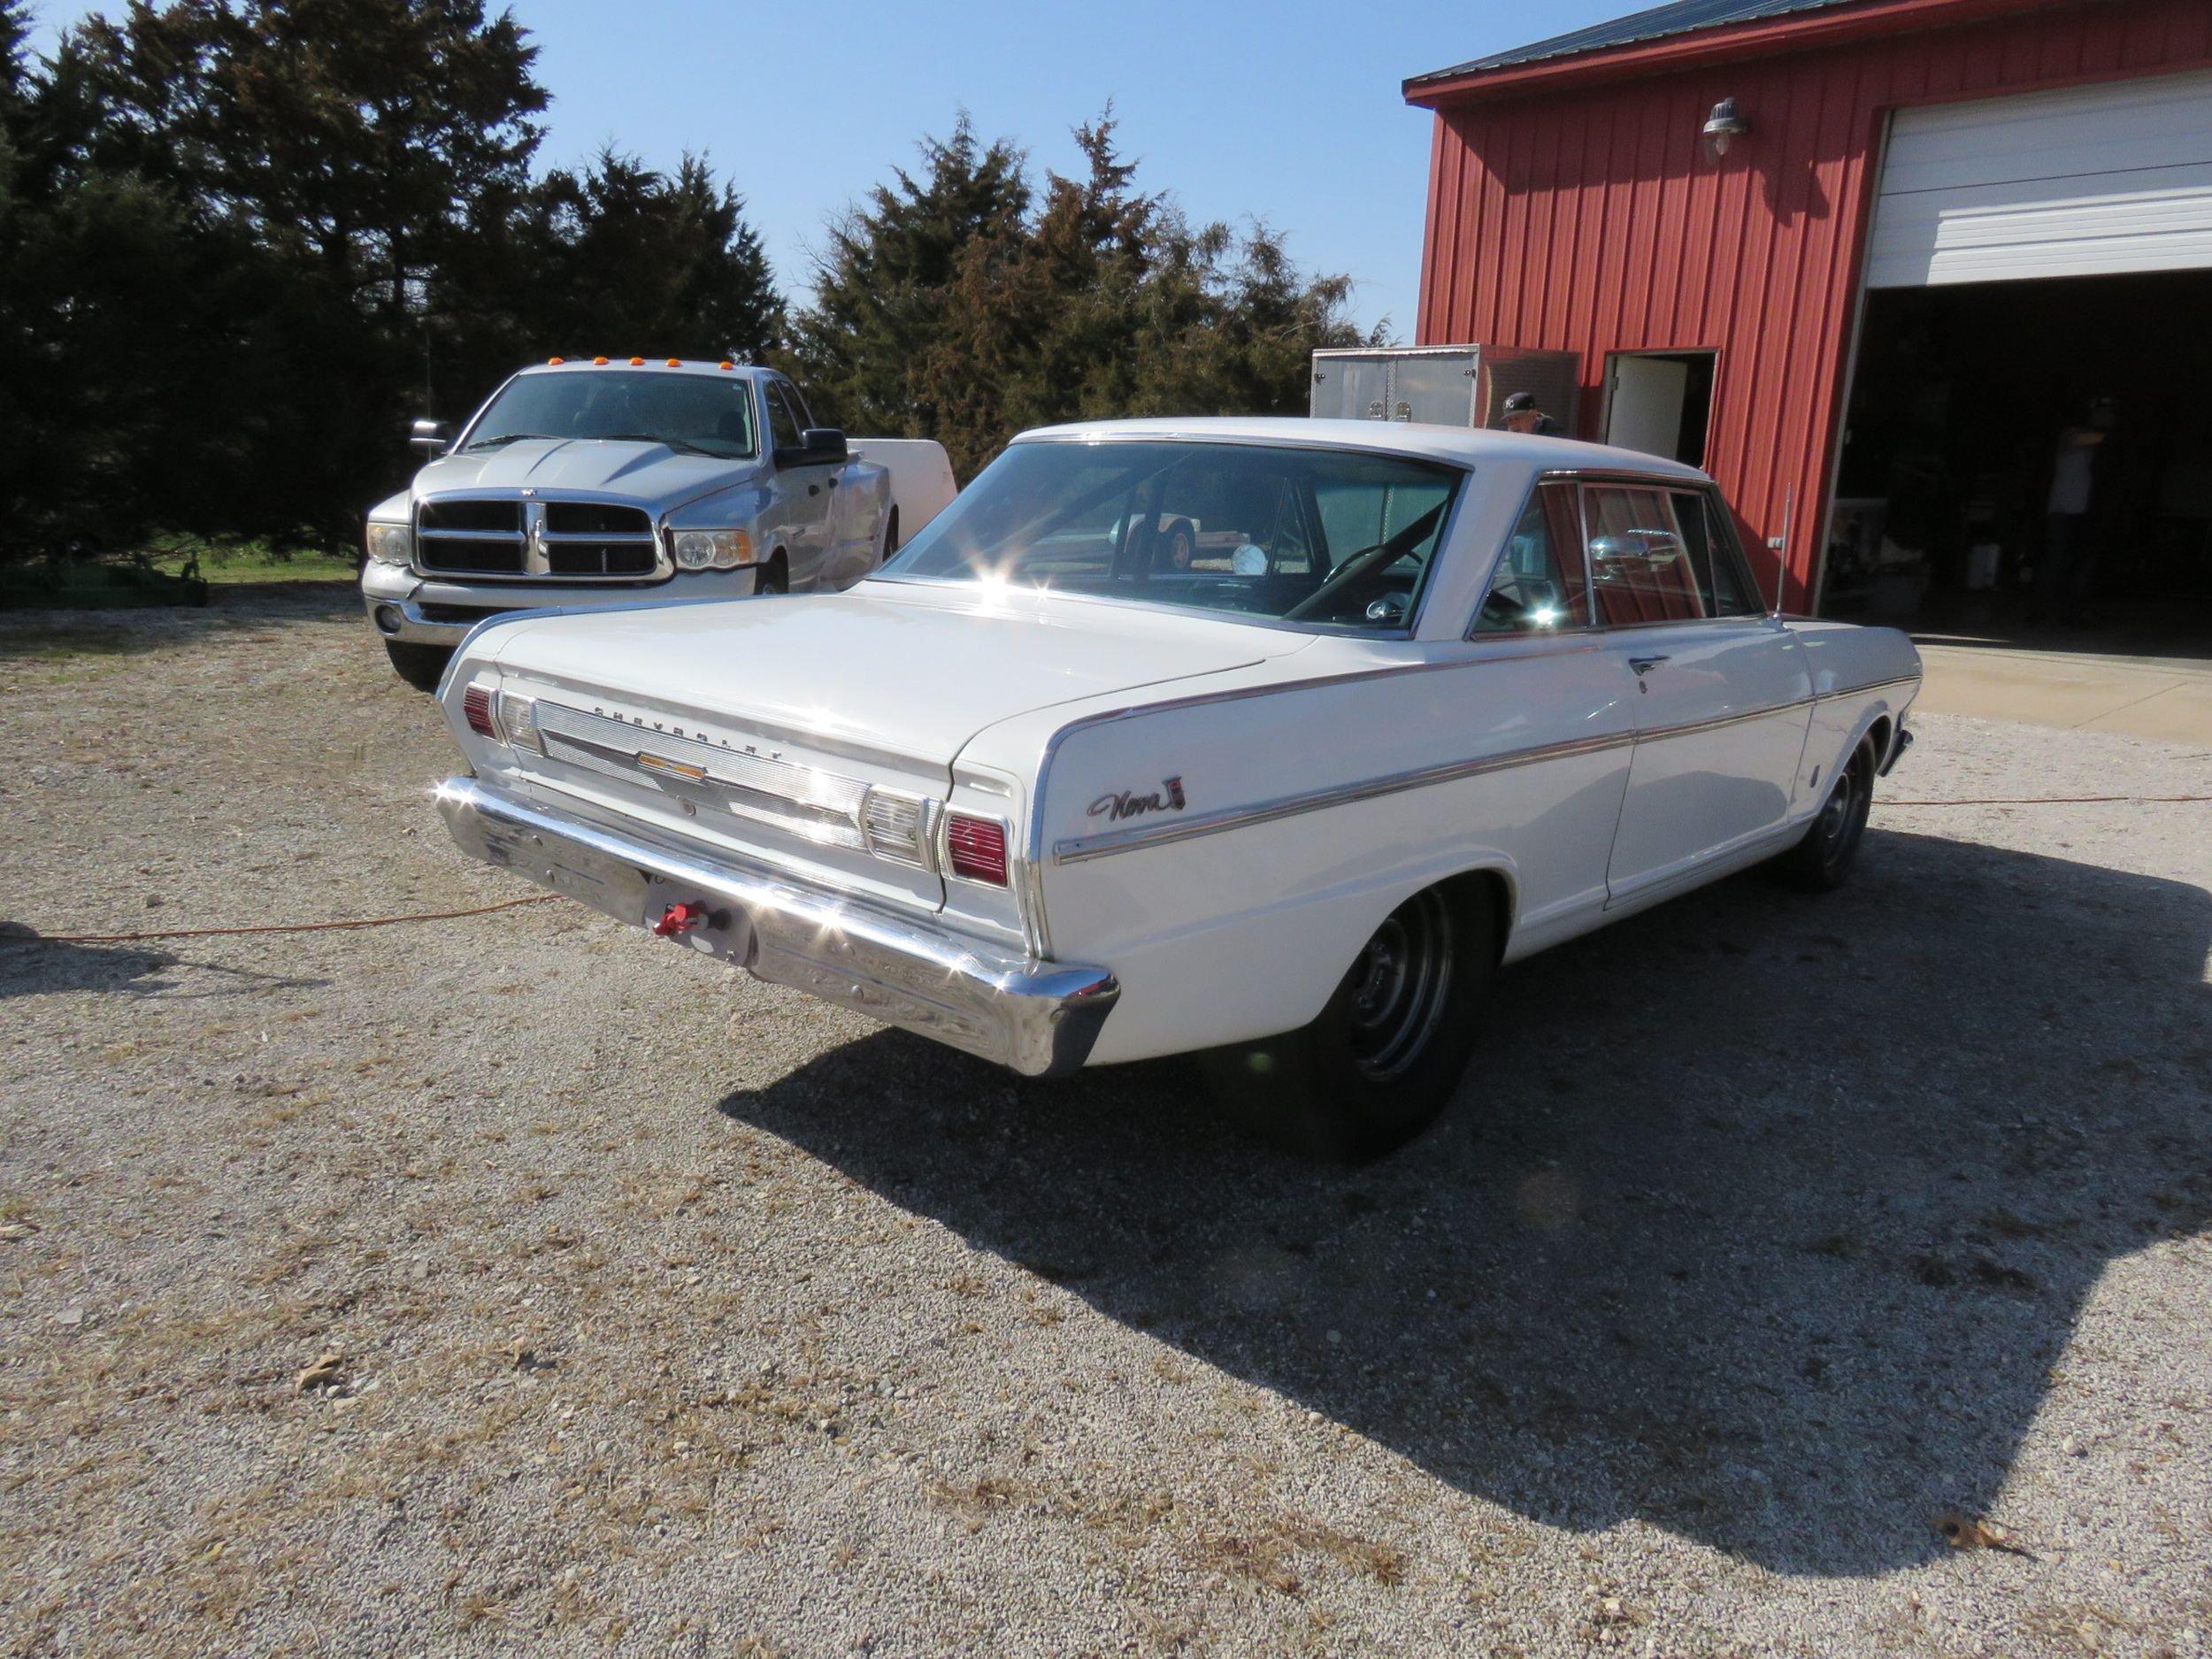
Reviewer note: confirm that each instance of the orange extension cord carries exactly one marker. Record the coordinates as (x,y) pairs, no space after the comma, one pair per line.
(270,927)
(546,898)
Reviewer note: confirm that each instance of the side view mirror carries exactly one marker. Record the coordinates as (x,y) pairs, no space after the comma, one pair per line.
(817,446)
(429,436)
(1645,547)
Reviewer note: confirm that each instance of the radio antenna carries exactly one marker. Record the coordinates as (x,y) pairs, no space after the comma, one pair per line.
(1780,544)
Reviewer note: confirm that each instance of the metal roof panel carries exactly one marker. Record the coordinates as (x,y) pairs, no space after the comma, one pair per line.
(1683,17)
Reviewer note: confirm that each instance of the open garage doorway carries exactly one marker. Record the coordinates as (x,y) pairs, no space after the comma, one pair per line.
(1966,398)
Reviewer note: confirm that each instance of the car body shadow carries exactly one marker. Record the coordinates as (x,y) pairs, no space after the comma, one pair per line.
(32,965)
(1762,1219)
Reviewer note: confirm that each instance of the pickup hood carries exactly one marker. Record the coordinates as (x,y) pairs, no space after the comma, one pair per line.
(888,669)
(651,475)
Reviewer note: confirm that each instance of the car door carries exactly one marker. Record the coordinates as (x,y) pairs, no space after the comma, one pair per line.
(802,491)
(1723,694)
(1549,687)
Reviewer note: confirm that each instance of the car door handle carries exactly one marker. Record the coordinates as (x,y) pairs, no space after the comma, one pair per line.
(1643,665)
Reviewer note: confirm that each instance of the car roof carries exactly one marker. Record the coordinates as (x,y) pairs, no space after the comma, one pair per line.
(651,366)
(1459,446)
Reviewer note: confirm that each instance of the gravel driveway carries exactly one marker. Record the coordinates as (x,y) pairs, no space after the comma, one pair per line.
(521,1285)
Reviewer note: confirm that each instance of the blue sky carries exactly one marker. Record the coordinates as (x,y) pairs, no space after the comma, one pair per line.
(1289,113)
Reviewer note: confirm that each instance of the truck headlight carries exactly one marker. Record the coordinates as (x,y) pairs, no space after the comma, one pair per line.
(393,543)
(712,550)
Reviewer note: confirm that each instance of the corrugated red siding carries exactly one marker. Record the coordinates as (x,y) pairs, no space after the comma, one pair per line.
(1590,219)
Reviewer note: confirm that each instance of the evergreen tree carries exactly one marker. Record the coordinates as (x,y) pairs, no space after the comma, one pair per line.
(1102,302)
(631,260)
(880,291)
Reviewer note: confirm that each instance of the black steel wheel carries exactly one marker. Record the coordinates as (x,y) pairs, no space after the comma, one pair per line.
(1385,1054)
(1401,986)
(1823,860)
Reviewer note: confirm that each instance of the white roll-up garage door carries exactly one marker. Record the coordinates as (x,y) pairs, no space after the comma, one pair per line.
(2093,180)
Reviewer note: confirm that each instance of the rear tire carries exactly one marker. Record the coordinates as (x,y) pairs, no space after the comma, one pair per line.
(1821,862)
(421,666)
(1385,1054)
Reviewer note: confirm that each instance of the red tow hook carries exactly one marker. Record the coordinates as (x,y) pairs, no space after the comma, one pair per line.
(681,918)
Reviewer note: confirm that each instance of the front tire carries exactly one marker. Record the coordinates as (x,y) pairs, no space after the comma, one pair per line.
(1386,1053)
(1821,862)
(421,666)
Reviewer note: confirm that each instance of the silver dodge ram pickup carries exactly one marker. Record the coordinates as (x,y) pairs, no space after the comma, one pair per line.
(584,484)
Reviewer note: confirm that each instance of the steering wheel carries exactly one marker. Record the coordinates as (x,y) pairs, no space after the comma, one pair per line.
(1366,563)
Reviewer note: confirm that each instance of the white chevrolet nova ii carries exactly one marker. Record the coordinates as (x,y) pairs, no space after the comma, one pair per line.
(1269,739)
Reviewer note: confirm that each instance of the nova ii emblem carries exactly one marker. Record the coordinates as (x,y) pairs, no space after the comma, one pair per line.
(1127,804)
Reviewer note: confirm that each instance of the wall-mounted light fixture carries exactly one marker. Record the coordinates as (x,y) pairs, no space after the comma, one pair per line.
(1723,126)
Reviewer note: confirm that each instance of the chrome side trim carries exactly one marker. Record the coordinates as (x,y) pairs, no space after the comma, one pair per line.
(1075,849)
(1659,734)
(1871,685)
(1040,1018)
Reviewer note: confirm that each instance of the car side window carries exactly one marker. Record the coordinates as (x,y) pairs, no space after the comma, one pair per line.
(1713,557)
(800,412)
(783,426)
(1639,564)
(1538,587)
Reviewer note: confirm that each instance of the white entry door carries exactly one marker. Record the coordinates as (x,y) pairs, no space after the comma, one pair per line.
(1645,399)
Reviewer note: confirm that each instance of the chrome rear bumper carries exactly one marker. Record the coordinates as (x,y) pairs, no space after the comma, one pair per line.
(1039,1018)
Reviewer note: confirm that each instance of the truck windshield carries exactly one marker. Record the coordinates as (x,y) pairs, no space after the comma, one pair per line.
(689,412)
(1334,538)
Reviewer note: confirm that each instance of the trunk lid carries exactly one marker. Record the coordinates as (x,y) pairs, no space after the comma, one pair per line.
(810,700)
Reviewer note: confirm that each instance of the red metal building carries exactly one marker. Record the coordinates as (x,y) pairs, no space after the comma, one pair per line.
(1578,201)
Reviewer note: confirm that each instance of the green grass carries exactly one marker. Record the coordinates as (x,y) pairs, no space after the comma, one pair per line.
(159,574)
(223,561)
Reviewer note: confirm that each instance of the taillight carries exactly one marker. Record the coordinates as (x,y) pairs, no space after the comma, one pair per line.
(519,722)
(476,709)
(975,848)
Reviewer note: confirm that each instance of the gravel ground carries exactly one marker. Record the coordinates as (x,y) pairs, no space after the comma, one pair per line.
(522,1285)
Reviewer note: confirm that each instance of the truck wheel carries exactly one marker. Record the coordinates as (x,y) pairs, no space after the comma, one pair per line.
(421,666)
(1822,861)
(1383,1058)
(775,577)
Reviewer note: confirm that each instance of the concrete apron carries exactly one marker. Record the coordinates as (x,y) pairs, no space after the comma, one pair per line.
(2139,696)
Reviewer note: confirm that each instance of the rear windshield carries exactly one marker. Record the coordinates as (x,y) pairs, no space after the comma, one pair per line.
(696,413)
(1334,538)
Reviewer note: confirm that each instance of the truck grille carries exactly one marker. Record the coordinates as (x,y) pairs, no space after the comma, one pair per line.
(532,539)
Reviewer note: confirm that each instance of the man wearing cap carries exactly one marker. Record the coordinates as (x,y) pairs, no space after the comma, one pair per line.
(1522,415)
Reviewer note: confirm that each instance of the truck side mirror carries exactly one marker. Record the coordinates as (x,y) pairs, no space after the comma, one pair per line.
(817,446)
(429,436)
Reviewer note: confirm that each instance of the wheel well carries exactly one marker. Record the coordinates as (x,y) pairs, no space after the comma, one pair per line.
(1496,886)
(891,533)
(1879,733)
